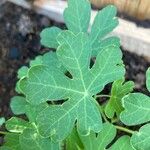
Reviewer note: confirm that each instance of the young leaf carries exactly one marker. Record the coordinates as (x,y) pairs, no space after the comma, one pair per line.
(16,125)
(77,15)
(11,142)
(141,140)
(18,105)
(73,141)
(48,37)
(122,143)
(137,109)
(118,91)
(99,142)
(30,139)
(104,22)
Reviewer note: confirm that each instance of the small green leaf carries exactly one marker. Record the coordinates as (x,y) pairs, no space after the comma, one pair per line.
(73,141)
(48,37)
(2,121)
(141,140)
(16,125)
(100,141)
(118,91)
(18,105)
(77,15)
(30,139)
(137,109)
(122,143)
(11,142)
(148,79)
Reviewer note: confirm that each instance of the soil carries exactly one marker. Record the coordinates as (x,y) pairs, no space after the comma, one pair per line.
(20,42)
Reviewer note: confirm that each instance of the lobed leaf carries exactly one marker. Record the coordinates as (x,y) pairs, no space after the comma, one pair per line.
(118,91)
(47,82)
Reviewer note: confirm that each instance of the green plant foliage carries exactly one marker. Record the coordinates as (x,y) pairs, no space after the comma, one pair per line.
(141,140)
(104,138)
(58,91)
(123,143)
(137,107)
(73,141)
(75,48)
(100,141)
(11,142)
(118,91)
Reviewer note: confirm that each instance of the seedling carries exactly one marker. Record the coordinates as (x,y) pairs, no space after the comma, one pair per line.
(58,92)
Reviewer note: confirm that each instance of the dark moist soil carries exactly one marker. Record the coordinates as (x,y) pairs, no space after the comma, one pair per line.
(20,42)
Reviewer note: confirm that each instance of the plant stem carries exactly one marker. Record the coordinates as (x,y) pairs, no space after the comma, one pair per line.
(102,113)
(98,96)
(124,129)
(3,133)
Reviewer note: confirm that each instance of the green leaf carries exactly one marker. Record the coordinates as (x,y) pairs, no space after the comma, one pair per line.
(2,121)
(100,141)
(122,143)
(73,141)
(148,79)
(16,125)
(137,109)
(141,140)
(104,22)
(30,139)
(77,15)
(11,142)
(45,83)
(18,105)
(118,91)
(48,37)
